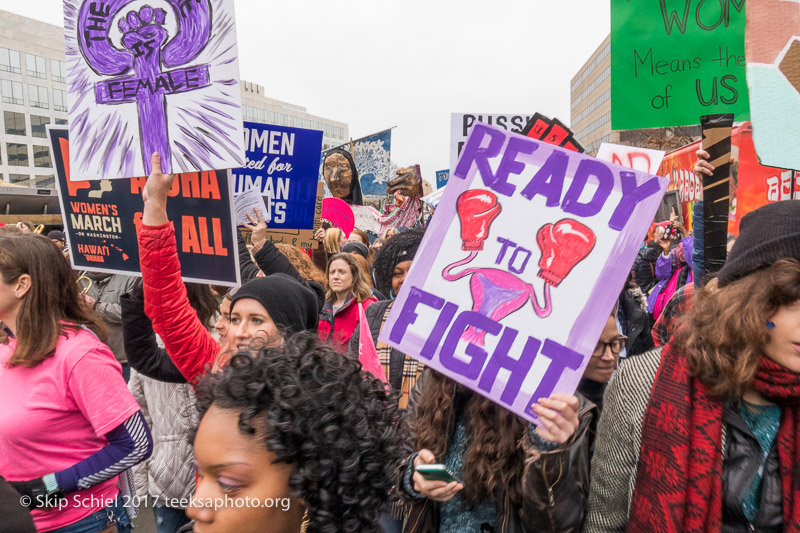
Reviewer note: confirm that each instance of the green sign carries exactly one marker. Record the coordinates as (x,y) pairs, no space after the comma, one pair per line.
(675,60)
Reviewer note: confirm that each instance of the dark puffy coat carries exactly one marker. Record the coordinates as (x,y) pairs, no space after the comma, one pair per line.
(644,268)
(144,354)
(555,484)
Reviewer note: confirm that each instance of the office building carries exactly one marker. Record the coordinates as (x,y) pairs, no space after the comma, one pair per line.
(590,100)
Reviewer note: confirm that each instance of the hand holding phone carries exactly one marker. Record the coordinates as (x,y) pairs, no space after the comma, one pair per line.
(437,490)
(437,472)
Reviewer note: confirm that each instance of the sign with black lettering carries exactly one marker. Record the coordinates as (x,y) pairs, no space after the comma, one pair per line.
(101,219)
(673,61)
(461,124)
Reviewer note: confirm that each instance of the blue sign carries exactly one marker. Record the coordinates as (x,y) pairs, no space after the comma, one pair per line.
(441,178)
(284,163)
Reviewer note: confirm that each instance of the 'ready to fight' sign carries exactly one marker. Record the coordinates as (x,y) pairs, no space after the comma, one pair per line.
(521,267)
(101,218)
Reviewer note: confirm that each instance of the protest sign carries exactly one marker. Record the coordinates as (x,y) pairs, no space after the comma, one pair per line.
(131,66)
(282,163)
(339,214)
(521,266)
(641,159)
(461,124)
(101,218)
(773,77)
(551,131)
(672,62)
(248,202)
(373,158)
(441,177)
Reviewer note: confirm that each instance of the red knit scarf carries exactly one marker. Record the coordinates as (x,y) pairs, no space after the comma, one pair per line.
(679,478)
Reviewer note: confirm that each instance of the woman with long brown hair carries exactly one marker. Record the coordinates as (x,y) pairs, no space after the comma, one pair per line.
(347,287)
(68,426)
(704,435)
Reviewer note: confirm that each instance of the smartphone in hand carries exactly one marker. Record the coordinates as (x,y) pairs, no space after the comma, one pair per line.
(437,472)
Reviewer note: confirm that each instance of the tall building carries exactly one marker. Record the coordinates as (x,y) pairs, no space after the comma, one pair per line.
(33,94)
(256,107)
(590,100)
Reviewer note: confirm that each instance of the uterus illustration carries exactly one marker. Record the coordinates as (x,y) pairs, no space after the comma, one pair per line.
(497,293)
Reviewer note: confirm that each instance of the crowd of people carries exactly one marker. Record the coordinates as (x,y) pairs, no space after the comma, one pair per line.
(247,410)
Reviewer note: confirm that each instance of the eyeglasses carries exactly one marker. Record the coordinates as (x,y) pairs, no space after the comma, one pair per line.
(616,346)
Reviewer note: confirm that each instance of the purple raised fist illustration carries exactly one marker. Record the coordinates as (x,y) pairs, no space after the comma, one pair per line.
(143,34)
(148,67)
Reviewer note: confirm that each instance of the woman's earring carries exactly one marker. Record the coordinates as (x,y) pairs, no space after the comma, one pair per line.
(770,325)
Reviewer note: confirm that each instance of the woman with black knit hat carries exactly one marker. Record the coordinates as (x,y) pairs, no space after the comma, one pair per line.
(262,310)
(704,435)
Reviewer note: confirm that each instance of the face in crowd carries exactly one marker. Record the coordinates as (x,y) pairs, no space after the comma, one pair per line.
(605,356)
(340,277)
(230,463)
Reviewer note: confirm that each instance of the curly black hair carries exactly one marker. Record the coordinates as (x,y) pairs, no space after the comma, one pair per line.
(392,253)
(340,427)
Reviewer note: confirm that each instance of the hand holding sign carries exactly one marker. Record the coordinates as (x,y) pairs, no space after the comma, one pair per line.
(154,194)
(257,226)
(558,415)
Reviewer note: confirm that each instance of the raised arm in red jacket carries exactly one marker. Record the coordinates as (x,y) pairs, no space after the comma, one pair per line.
(186,339)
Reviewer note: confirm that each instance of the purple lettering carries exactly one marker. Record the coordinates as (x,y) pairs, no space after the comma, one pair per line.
(439,329)
(549,181)
(506,245)
(586,168)
(477,355)
(510,165)
(473,153)
(408,316)
(518,367)
(631,195)
(561,358)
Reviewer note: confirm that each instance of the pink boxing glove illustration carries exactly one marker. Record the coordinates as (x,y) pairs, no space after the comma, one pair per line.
(564,244)
(497,293)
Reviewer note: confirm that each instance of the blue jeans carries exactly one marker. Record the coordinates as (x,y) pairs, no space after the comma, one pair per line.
(168,519)
(98,521)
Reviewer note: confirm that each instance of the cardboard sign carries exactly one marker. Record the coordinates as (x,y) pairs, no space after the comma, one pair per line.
(339,214)
(773,77)
(641,159)
(144,79)
(521,267)
(461,124)
(101,217)
(672,62)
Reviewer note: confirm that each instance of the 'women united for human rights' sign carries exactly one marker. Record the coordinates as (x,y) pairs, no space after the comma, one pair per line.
(521,267)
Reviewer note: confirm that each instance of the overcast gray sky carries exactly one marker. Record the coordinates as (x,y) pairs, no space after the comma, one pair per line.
(408,63)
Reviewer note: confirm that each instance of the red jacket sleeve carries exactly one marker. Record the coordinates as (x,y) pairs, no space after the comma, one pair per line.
(186,339)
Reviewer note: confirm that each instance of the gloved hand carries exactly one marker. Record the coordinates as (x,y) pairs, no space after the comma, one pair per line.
(36,492)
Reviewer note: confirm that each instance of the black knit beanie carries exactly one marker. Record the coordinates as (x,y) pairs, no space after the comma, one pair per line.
(766,235)
(356,248)
(290,304)
(398,249)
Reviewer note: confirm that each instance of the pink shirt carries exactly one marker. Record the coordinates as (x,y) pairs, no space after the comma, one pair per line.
(56,414)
